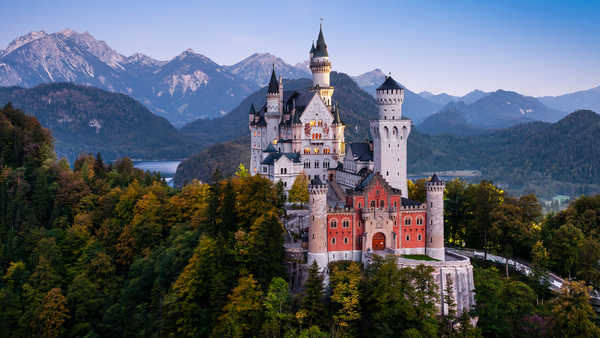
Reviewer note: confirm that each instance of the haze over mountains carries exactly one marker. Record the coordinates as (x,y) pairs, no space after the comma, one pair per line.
(498,110)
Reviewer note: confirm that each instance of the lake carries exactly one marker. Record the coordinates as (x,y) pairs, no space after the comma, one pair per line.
(167,169)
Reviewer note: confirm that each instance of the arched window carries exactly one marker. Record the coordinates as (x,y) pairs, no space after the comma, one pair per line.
(407,221)
(334,224)
(419,221)
(419,237)
(381,204)
(407,237)
(333,240)
(345,240)
(372,204)
(345,224)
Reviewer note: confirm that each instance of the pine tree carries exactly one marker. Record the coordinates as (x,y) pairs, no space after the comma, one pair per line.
(312,301)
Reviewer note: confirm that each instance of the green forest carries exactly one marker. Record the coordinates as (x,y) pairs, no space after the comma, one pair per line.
(106,250)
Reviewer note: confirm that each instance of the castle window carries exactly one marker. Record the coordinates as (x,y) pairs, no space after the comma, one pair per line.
(345,224)
(316,164)
(307,165)
(372,204)
(381,204)
(325,164)
(264,169)
(359,205)
(407,221)
(334,224)
(333,240)
(387,173)
(395,204)
(285,184)
(407,237)
(345,240)
(419,237)
(313,236)
(419,221)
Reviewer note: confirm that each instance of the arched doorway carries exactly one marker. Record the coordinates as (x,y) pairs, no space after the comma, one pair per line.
(378,241)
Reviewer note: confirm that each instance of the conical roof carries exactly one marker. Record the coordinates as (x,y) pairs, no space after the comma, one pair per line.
(321,49)
(316,181)
(270,149)
(435,178)
(389,83)
(252,110)
(273,84)
(336,115)
(312,48)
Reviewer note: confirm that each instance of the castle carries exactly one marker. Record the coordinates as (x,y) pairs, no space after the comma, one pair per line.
(358,195)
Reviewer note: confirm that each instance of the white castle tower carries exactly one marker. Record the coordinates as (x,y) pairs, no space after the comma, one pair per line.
(434,246)
(320,66)
(390,133)
(317,232)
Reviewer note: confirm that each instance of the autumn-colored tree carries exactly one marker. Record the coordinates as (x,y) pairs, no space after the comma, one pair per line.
(242,316)
(299,191)
(242,171)
(416,190)
(52,315)
(345,298)
(572,312)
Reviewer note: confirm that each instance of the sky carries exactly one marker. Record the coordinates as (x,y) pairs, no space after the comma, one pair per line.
(536,48)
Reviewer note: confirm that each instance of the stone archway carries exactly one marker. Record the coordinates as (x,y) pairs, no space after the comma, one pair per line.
(378,241)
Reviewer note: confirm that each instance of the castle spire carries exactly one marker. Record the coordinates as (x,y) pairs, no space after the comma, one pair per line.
(321,48)
(273,84)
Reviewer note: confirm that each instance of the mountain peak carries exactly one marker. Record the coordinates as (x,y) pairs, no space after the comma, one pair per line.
(24,39)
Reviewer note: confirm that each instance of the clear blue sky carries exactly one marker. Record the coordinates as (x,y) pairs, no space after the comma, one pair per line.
(535,48)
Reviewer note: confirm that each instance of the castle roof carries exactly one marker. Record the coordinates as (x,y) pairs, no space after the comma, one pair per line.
(252,110)
(270,149)
(274,157)
(312,48)
(361,151)
(273,84)
(316,181)
(435,178)
(321,49)
(389,83)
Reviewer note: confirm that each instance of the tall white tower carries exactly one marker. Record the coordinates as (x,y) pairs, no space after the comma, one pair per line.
(390,133)
(320,66)
(434,246)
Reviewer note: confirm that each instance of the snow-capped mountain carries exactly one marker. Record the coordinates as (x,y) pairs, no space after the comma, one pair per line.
(257,67)
(185,88)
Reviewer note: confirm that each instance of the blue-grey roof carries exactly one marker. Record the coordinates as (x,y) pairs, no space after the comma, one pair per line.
(389,83)
(270,149)
(361,150)
(321,48)
(435,178)
(408,202)
(273,157)
(316,181)
(273,84)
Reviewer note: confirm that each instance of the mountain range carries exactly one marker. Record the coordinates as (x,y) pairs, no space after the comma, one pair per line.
(185,88)
(497,110)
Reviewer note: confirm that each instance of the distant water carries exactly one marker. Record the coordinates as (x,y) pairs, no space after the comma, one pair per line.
(166,169)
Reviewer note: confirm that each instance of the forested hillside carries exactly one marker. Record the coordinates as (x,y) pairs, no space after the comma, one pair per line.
(87,119)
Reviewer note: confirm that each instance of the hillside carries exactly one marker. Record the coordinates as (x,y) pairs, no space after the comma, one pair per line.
(498,110)
(87,119)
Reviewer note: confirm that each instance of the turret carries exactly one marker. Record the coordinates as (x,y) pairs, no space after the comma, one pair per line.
(390,96)
(434,247)
(251,114)
(273,114)
(317,232)
(320,66)
(338,130)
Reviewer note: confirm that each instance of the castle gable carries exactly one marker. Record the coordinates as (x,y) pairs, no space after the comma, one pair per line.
(316,110)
